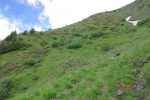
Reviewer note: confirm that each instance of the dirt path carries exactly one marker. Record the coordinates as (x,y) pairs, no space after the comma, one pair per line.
(138,84)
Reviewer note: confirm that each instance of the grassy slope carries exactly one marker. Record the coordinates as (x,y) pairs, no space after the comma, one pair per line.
(87,73)
(139,9)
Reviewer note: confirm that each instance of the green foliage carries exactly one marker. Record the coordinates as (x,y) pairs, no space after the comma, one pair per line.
(58,42)
(147,79)
(25,33)
(96,35)
(106,46)
(12,36)
(32,31)
(8,46)
(30,62)
(11,43)
(74,45)
(76,34)
(55,43)
(5,86)
(144,22)
(84,74)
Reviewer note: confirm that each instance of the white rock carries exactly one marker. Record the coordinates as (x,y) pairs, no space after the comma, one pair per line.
(132,22)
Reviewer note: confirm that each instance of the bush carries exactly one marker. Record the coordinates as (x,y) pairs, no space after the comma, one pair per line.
(30,62)
(5,86)
(35,78)
(25,33)
(131,29)
(7,46)
(55,44)
(32,31)
(12,36)
(96,35)
(76,34)
(74,45)
(144,22)
(59,42)
(11,43)
(106,47)
(147,79)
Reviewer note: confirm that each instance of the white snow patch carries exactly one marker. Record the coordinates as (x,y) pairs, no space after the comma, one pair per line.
(132,22)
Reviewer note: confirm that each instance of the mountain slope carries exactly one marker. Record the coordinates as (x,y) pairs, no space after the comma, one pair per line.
(102,57)
(140,9)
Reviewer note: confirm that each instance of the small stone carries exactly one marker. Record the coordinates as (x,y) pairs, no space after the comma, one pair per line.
(116,54)
(74,85)
(119,92)
(138,71)
(139,86)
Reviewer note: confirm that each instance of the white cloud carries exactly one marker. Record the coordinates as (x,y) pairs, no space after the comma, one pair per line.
(38,28)
(7,26)
(64,12)
(59,13)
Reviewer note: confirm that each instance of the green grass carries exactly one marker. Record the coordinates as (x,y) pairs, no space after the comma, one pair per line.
(89,72)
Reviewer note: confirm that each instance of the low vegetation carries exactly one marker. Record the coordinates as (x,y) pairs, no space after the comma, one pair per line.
(5,86)
(11,43)
(102,57)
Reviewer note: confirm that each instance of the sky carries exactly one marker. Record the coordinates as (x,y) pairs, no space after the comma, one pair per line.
(21,15)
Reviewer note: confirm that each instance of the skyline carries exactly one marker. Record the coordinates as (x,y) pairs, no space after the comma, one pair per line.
(23,15)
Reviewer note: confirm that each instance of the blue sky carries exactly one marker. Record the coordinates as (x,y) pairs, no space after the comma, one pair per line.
(22,11)
(23,15)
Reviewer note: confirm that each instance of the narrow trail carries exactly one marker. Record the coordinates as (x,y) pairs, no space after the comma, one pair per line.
(138,84)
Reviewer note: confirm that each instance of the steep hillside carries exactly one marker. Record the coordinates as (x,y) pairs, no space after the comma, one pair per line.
(140,9)
(102,57)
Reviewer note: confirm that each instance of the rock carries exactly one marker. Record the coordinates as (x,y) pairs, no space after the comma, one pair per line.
(119,92)
(104,88)
(139,64)
(74,85)
(138,71)
(139,97)
(145,59)
(131,63)
(139,86)
(116,54)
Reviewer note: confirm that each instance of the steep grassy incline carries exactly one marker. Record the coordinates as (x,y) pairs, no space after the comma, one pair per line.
(140,9)
(102,57)
(93,59)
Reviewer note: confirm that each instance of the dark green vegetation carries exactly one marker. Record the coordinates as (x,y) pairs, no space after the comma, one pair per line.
(12,43)
(100,58)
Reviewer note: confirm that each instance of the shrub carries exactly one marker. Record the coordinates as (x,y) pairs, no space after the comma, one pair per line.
(24,33)
(96,35)
(11,43)
(54,37)
(5,86)
(106,47)
(12,36)
(55,44)
(131,29)
(30,62)
(76,34)
(144,22)
(74,45)
(23,86)
(147,79)
(7,46)
(32,31)
(59,42)
(35,78)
